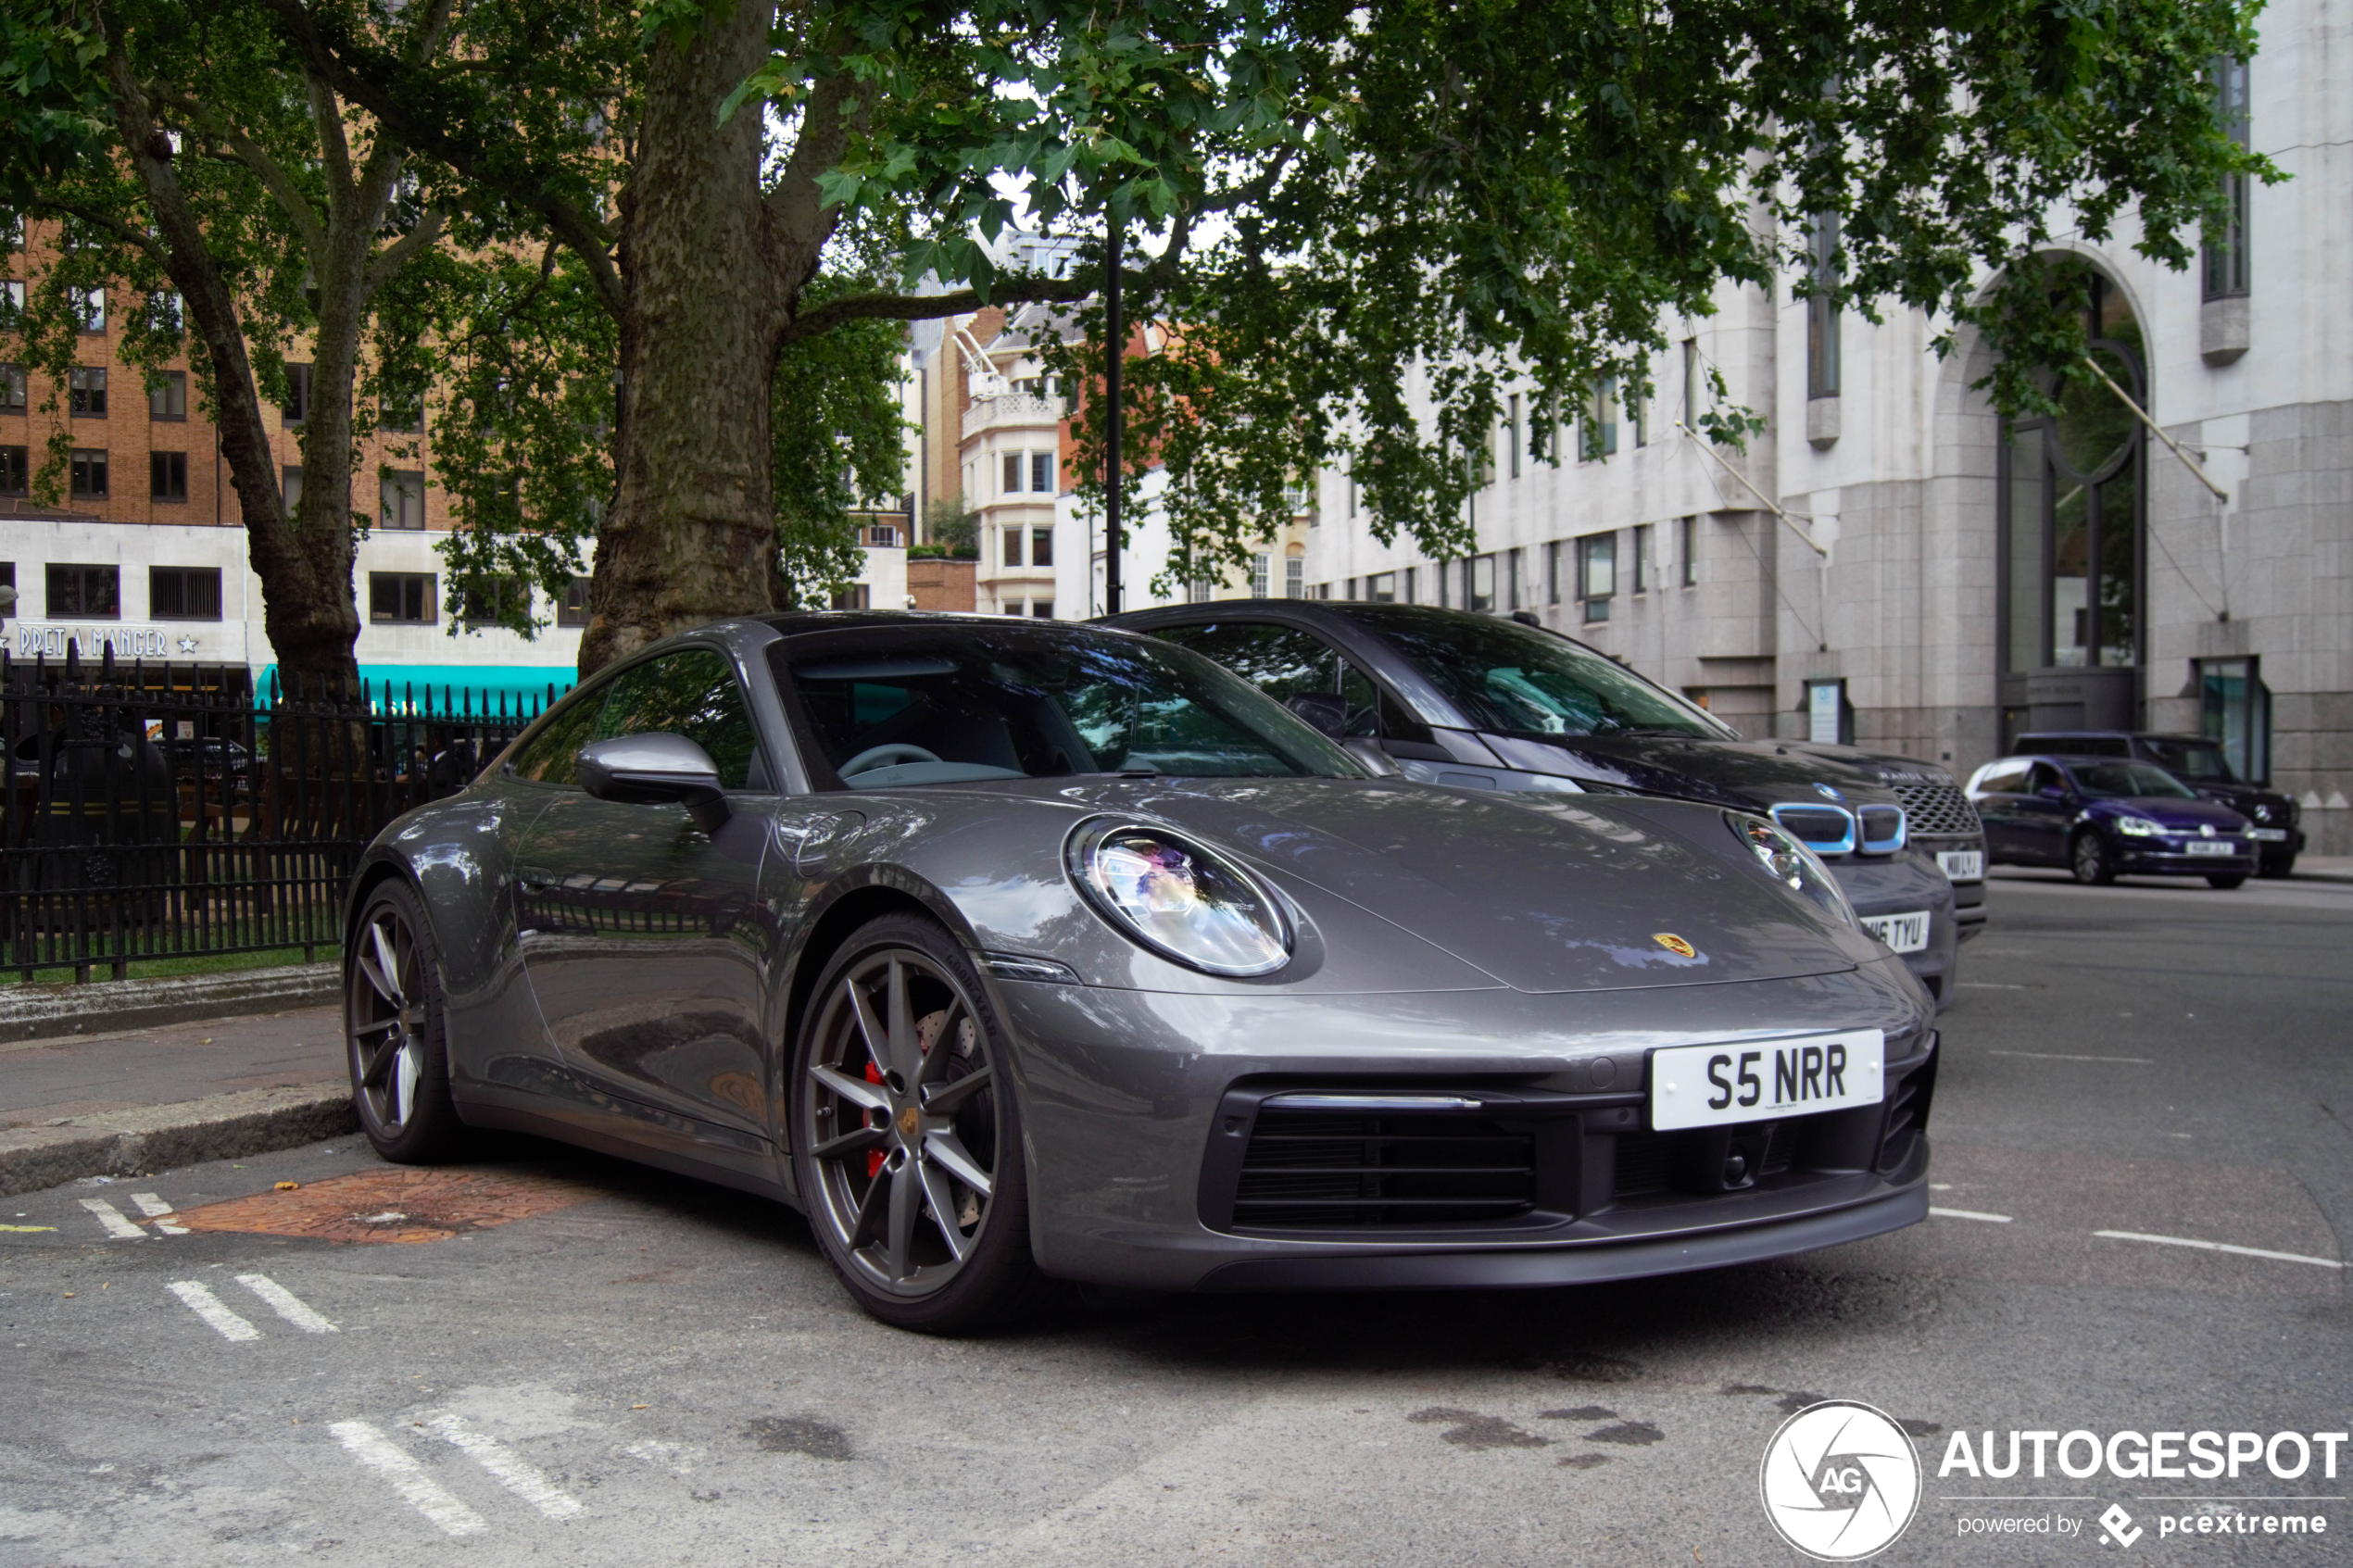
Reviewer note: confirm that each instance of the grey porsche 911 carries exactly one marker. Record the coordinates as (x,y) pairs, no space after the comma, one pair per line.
(1015,952)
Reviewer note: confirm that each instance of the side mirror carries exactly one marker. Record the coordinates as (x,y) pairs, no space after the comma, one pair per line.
(656,769)
(1367,751)
(1322,710)
(2053,792)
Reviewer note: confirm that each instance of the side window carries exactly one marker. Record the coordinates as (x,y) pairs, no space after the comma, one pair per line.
(692,693)
(1282,661)
(549,756)
(2044,777)
(2008,779)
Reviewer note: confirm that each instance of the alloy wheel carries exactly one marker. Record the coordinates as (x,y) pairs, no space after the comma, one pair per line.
(900,1123)
(386,1020)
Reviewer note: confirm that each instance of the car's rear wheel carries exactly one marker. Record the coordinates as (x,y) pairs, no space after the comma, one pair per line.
(2227,880)
(2089,859)
(906,1138)
(392,1032)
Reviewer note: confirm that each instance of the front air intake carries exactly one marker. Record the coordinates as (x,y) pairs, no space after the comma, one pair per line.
(1317,1168)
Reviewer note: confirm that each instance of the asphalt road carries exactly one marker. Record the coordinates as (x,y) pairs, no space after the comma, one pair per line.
(549,1358)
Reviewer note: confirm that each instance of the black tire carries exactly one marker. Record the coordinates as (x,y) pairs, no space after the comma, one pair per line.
(2087,856)
(2281,868)
(875,1163)
(2227,880)
(394,1029)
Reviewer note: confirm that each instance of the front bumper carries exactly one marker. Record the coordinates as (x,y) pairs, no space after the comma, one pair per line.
(1905,882)
(1141,1109)
(2146,858)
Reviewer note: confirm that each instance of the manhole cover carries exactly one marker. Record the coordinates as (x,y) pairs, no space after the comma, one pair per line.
(392,1205)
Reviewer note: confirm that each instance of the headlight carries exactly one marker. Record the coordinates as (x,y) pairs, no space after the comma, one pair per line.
(1791,863)
(1182,901)
(2137,827)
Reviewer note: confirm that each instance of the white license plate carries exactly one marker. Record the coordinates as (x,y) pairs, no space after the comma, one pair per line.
(1905,934)
(1756,1081)
(2211,846)
(1961,865)
(2267,836)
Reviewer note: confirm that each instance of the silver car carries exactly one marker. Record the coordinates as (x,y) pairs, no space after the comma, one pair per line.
(1014,952)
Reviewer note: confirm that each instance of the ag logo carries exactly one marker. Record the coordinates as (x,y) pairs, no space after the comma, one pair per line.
(1839,1480)
(1674,944)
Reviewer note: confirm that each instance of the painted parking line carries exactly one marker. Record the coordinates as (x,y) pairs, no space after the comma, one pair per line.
(2222,1246)
(210,1308)
(286,1304)
(408,1477)
(157,1209)
(111,1217)
(1968,1215)
(2055,1056)
(507,1467)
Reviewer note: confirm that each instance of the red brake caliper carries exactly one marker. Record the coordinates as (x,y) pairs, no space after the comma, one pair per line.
(873,1156)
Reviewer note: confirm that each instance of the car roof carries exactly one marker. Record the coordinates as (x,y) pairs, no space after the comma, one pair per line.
(2118,734)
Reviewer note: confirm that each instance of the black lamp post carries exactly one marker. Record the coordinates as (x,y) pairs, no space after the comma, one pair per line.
(1115,350)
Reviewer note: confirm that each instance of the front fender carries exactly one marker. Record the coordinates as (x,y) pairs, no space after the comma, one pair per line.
(456,854)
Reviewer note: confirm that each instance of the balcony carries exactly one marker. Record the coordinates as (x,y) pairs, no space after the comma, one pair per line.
(1013,411)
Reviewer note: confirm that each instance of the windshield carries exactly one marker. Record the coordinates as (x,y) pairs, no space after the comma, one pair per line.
(1516,680)
(2191,759)
(2129,781)
(954,704)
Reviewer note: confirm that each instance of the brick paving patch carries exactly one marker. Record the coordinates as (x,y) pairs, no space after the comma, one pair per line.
(391,1206)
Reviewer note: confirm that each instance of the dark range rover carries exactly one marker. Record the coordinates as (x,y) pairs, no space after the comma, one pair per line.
(2199,763)
(1474,701)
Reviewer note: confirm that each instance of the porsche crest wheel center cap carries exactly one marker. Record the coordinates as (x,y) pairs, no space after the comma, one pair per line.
(909,1122)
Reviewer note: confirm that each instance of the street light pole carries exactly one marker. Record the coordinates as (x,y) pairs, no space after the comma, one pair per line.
(1115,350)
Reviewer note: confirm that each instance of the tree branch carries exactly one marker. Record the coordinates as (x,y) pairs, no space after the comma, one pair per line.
(41,206)
(272,173)
(923,308)
(335,148)
(835,109)
(393,258)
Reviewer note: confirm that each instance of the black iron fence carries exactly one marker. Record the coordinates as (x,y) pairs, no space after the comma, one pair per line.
(170,811)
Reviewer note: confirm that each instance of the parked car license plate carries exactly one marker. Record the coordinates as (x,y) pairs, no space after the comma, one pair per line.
(1906,934)
(2267,836)
(2212,847)
(1961,865)
(1755,1081)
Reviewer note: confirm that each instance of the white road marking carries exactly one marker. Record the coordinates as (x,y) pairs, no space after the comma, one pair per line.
(208,1306)
(506,1466)
(1968,1215)
(111,1217)
(2222,1246)
(286,1304)
(155,1208)
(2054,1056)
(1986,985)
(422,1493)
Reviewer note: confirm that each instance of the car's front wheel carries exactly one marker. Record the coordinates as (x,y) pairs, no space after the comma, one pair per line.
(2089,859)
(394,1038)
(907,1144)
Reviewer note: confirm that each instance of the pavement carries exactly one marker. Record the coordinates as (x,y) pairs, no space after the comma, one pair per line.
(2144,1192)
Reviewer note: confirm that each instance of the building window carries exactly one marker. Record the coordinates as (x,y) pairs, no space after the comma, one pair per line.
(1012,473)
(298,404)
(1348,590)
(1351,489)
(573,611)
(851,598)
(1642,558)
(1013,547)
(290,487)
(1011,606)
(1380,588)
(403,494)
(1552,572)
(89,475)
(165,311)
(1637,414)
(86,390)
(2225,252)
(1041,473)
(1597,573)
(482,604)
(401,413)
(401,599)
(15,471)
(1041,547)
(1511,579)
(11,389)
(1687,549)
(167,398)
(183,592)
(880,536)
(90,309)
(1511,433)
(1690,383)
(1479,583)
(1042,609)
(1258,565)
(11,302)
(86,592)
(2235,708)
(1295,577)
(168,476)
(1821,308)
(1600,419)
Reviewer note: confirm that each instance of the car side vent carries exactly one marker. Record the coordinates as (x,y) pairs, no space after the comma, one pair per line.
(1907,1106)
(1327,1169)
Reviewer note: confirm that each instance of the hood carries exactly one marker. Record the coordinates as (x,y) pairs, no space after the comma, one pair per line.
(1564,894)
(1750,774)
(2170,811)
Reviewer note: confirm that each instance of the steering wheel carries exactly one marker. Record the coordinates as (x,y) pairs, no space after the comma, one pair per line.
(883,756)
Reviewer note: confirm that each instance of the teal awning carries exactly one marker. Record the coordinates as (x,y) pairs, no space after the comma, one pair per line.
(523,687)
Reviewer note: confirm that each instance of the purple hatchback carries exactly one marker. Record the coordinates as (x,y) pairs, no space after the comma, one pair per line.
(2102,818)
